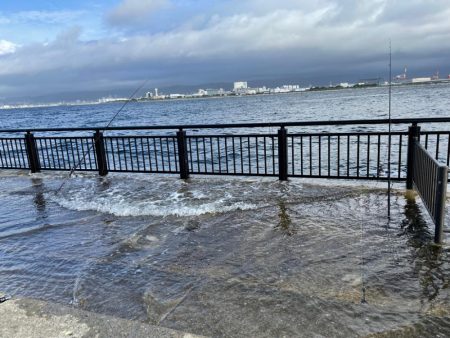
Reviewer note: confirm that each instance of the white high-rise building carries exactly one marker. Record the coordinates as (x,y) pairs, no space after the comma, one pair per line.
(156,92)
(240,85)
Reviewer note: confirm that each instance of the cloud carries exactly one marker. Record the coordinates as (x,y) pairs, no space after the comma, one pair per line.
(132,12)
(7,47)
(318,38)
(45,17)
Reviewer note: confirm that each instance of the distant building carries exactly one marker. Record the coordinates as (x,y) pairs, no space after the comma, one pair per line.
(176,96)
(240,85)
(215,92)
(421,79)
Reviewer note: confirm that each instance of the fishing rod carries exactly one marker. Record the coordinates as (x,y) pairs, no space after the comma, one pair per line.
(81,161)
(390,137)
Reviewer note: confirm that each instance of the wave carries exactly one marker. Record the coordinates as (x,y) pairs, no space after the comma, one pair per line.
(120,202)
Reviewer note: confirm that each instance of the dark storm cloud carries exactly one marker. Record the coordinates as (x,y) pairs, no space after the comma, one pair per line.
(242,40)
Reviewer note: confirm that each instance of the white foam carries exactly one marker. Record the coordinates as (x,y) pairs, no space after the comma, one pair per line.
(121,203)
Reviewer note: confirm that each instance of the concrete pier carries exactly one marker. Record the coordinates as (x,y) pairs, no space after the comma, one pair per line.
(26,318)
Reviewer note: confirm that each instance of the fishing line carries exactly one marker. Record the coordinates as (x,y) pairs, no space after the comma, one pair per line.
(363,276)
(390,136)
(81,161)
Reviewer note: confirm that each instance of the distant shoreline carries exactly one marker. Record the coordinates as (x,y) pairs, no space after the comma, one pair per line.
(206,97)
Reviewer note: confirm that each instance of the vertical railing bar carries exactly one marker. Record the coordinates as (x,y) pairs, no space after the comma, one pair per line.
(357,154)
(73,161)
(63,152)
(348,155)
(368,155)
(24,152)
(89,153)
(168,154)
(124,153)
(226,153)
(161,153)
(329,156)
(47,158)
(448,149)
(293,156)
(212,153)
(119,153)
(310,155)
(59,149)
(426,141)
(77,147)
(1,156)
(198,154)
(83,155)
(437,147)
(378,155)
(176,155)
(112,151)
(301,155)
(14,151)
(234,155)
(265,155)
(137,154)
(320,155)
(155,150)
(21,151)
(204,155)
(273,154)
(18,151)
(143,154)
(249,156)
(400,155)
(257,155)
(4,162)
(150,164)
(131,153)
(11,153)
(219,153)
(7,156)
(338,156)
(52,153)
(242,156)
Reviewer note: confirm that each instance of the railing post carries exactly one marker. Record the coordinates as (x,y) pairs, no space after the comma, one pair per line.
(413,136)
(282,154)
(441,194)
(99,145)
(182,154)
(32,154)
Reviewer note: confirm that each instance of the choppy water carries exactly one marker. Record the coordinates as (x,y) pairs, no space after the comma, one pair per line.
(227,257)
(370,103)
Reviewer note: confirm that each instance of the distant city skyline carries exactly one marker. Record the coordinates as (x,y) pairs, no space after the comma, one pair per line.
(83,49)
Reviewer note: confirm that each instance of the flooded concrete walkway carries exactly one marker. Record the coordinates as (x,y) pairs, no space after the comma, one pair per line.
(227,257)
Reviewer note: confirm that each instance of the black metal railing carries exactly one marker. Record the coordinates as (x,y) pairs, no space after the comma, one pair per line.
(13,154)
(430,181)
(291,150)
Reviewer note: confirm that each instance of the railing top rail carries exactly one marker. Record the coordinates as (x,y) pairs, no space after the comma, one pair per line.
(240,125)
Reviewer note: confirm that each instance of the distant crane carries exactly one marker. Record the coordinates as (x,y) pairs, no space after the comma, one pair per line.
(402,76)
(436,76)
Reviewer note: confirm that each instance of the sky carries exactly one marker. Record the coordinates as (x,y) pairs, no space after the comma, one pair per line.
(50,48)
